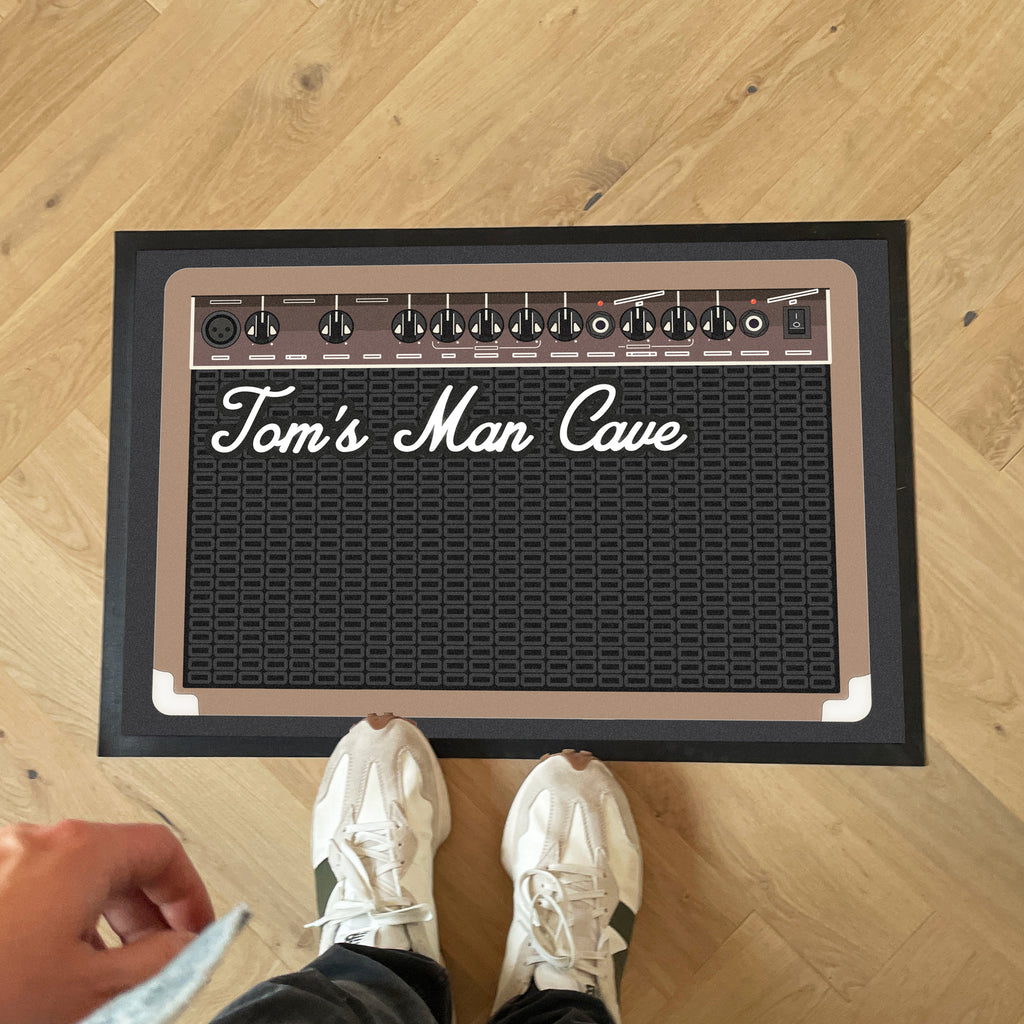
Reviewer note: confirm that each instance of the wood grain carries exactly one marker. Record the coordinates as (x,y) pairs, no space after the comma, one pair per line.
(772,893)
(971,588)
(976,384)
(37,39)
(130,121)
(753,976)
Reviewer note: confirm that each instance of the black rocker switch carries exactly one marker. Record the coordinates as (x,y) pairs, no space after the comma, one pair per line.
(798,323)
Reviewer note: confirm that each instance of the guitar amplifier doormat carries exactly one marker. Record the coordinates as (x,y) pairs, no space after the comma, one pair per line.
(646,491)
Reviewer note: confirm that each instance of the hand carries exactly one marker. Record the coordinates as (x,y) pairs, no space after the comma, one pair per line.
(55,884)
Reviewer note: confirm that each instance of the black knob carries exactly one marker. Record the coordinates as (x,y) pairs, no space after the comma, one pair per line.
(679,323)
(261,328)
(526,324)
(753,323)
(336,326)
(486,325)
(565,324)
(637,323)
(718,323)
(220,329)
(409,326)
(447,325)
(600,324)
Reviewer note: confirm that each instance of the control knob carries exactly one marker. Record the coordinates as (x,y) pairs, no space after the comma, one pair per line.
(261,328)
(336,327)
(637,323)
(718,322)
(526,324)
(486,325)
(447,325)
(409,326)
(678,323)
(565,324)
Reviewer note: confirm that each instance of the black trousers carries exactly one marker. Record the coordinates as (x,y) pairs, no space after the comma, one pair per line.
(361,985)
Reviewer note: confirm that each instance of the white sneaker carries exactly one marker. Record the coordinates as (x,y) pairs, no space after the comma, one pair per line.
(380,815)
(572,851)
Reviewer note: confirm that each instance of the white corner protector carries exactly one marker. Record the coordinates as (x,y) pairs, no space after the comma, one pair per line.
(856,706)
(167,702)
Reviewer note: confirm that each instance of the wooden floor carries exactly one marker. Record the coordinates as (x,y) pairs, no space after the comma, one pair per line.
(773,894)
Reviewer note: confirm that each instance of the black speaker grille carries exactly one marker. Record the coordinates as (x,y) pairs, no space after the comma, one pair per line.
(710,568)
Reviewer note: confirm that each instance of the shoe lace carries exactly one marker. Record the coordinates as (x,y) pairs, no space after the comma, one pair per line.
(365,859)
(564,903)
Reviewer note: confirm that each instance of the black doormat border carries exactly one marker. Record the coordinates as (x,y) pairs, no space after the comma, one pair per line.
(891,734)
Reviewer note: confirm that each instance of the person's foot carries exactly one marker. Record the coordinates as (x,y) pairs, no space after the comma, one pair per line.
(572,851)
(380,815)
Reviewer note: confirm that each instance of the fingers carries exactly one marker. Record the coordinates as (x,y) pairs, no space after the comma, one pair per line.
(93,937)
(133,915)
(55,883)
(142,873)
(149,859)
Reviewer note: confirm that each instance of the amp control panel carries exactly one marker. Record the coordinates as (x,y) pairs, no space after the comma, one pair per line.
(658,325)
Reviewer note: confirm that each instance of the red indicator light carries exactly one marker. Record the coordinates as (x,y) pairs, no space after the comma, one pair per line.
(600,302)
(753,302)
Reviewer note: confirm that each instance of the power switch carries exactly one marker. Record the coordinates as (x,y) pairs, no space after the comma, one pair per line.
(798,322)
